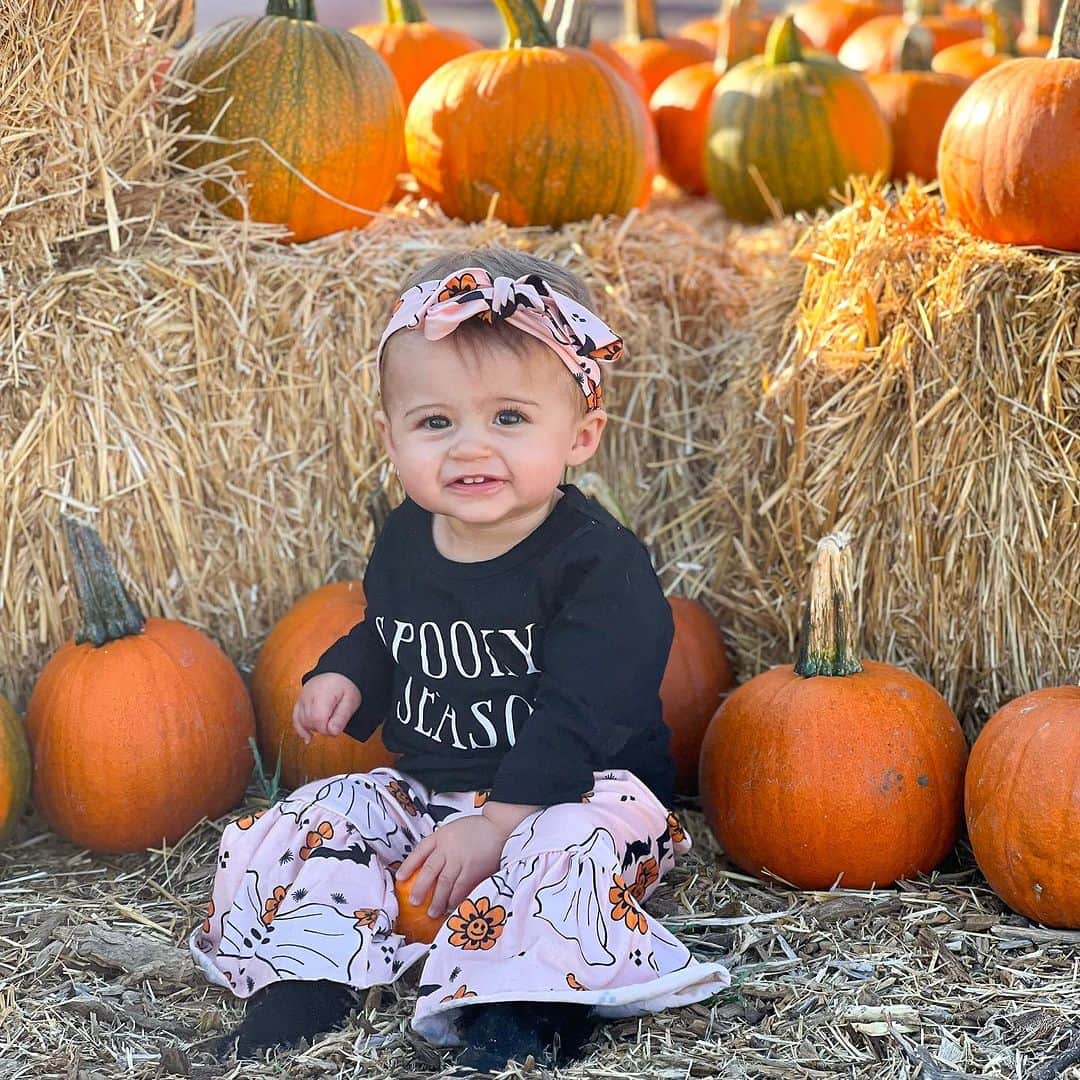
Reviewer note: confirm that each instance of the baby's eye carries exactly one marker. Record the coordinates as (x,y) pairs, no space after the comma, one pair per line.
(435,423)
(508,417)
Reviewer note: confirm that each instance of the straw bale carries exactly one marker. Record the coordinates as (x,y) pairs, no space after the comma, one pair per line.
(922,389)
(206,401)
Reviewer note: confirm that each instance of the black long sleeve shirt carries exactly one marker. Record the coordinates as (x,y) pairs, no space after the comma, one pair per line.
(521,674)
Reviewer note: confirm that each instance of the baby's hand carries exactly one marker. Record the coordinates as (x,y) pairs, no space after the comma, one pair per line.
(324,706)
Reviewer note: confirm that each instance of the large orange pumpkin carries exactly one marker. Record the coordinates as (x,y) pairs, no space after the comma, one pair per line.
(292,648)
(649,52)
(916,102)
(834,771)
(138,727)
(998,45)
(682,102)
(695,680)
(313,123)
(14,768)
(873,47)
(536,134)
(1007,162)
(797,125)
(1022,801)
(411,46)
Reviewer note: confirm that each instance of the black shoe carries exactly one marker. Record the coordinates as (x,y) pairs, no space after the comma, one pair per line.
(552,1032)
(284,1013)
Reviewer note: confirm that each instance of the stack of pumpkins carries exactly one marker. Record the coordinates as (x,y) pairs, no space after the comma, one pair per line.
(831,772)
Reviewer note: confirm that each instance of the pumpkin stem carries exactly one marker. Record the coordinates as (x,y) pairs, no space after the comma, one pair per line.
(915,10)
(782,44)
(999,36)
(570,21)
(404,11)
(1039,17)
(828,630)
(915,49)
(524,25)
(735,18)
(1066,33)
(641,20)
(292,9)
(108,613)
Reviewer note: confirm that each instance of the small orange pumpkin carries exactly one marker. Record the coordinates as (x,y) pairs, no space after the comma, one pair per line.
(292,648)
(999,44)
(827,24)
(14,769)
(1021,797)
(834,771)
(313,120)
(695,680)
(413,922)
(713,31)
(873,47)
(138,727)
(1008,150)
(916,102)
(648,52)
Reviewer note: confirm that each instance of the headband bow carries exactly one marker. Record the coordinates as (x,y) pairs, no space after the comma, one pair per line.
(582,341)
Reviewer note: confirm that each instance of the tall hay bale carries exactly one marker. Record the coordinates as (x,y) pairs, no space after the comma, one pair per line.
(924,392)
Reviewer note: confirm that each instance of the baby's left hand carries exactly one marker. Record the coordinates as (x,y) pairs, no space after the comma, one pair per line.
(455,858)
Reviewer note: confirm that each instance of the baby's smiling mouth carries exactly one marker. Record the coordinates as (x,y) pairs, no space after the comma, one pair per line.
(476,480)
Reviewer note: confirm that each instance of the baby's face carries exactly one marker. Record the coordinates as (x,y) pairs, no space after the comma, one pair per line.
(482,437)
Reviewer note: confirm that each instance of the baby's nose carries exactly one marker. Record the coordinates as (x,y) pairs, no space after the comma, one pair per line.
(470,445)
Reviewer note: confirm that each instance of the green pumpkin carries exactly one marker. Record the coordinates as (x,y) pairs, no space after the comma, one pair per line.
(14,769)
(798,125)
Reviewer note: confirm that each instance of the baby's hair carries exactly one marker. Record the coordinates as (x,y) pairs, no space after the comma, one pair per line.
(500,262)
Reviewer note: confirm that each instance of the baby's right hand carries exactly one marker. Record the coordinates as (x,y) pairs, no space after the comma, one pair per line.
(325,705)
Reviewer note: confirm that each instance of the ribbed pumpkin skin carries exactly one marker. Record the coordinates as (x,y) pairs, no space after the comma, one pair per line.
(413,51)
(680,110)
(1007,154)
(323,100)
(696,678)
(857,778)
(916,105)
(871,47)
(135,741)
(291,649)
(14,769)
(654,59)
(513,121)
(1022,801)
(806,126)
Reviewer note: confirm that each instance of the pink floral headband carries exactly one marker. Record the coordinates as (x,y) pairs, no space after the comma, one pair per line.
(582,341)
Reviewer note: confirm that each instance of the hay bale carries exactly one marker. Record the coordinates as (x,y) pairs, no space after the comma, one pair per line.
(206,401)
(922,389)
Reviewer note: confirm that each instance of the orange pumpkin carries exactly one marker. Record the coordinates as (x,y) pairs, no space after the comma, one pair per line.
(14,769)
(554,169)
(411,46)
(138,727)
(827,24)
(680,106)
(313,123)
(696,678)
(649,53)
(413,922)
(999,43)
(916,102)
(713,32)
(1021,799)
(292,648)
(1007,151)
(831,771)
(873,47)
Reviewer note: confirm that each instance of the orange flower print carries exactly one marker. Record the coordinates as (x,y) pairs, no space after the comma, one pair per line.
(572,982)
(624,907)
(459,994)
(249,819)
(455,286)
(315,838)
(480,798)
(594,399)
(677,834)
(648,874)
(397,305)
(404,799)
(209,914)
(366,918)
(476,925)
(607,353)
(272,904)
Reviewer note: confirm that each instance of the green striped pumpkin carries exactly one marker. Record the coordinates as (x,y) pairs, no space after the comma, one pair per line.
(14,768)
(314,119)
(797,124)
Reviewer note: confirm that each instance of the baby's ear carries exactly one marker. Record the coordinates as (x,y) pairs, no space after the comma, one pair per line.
(382,423)
(590,428)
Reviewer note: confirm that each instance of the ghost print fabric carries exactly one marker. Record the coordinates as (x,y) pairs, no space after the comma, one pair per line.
(305,890)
